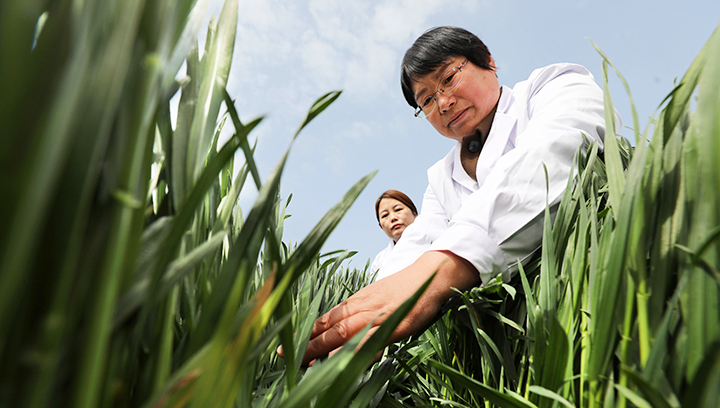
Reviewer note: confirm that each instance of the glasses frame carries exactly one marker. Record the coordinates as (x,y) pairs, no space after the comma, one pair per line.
(419,113)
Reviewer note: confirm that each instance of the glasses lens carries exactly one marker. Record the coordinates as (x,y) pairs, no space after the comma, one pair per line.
(450,81)
(423,113)
(447,84)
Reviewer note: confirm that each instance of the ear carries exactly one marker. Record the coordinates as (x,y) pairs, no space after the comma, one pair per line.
(491,63)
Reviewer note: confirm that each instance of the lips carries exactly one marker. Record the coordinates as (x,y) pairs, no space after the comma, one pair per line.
(457,117)
(396,226)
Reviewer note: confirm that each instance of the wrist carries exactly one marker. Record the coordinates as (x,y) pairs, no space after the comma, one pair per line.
(452,272)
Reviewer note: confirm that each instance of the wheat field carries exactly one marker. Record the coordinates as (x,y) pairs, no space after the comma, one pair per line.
(130,276)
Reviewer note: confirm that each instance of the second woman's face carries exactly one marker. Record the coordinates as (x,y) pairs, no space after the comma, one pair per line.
(460,112)
(394,217)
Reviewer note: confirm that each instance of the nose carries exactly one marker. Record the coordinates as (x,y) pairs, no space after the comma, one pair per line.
(444,101)
(393,217)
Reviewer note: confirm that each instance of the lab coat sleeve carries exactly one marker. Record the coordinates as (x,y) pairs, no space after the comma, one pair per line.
(501,223)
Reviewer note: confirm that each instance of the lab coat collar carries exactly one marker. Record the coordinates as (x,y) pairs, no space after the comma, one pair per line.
(499,141)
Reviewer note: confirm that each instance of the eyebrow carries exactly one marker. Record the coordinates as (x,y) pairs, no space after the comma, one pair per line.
(441,70)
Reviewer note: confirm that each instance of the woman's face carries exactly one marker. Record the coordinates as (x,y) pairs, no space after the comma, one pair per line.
(394,217)
(460,112)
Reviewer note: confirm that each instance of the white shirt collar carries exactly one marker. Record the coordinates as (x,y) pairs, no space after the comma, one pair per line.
(495,145)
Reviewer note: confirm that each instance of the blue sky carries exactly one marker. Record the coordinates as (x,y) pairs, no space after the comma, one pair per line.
(288,54)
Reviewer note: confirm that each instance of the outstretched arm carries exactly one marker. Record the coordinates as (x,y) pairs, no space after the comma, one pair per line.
(380,299)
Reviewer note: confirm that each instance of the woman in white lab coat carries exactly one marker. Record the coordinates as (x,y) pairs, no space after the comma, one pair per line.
(482,212)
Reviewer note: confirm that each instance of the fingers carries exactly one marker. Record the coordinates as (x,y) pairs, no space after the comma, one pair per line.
(332,338)
(365,338)
(331,318)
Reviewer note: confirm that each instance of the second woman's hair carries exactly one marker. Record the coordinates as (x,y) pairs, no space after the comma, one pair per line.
(397,195)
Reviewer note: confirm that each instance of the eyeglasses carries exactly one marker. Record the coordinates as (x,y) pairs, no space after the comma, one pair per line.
(446,85)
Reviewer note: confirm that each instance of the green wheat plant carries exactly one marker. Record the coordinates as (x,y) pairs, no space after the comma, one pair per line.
(129,273)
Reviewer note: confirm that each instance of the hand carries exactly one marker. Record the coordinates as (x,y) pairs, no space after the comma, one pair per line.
(378,300)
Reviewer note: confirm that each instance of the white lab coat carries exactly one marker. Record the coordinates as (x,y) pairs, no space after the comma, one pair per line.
(497,221)
(381,256)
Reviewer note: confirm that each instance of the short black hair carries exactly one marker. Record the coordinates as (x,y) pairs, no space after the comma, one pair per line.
(433,48)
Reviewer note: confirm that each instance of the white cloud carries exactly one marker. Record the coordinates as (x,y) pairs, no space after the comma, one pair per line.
(321,59)
(288,54)
(292,53)
(399,22)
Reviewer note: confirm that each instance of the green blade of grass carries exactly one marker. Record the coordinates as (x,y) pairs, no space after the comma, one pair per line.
(704,391)
(317,377)
(320,105)
(137,295)
(615,172)
(680,97)
(652,394)
(181,137)
(551,358)
(491,395)
(187,38)
(245,145)
(636,123)
(549,267)
(659,350)
(544,392)
(369,391)
(211,94)
(633,397)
